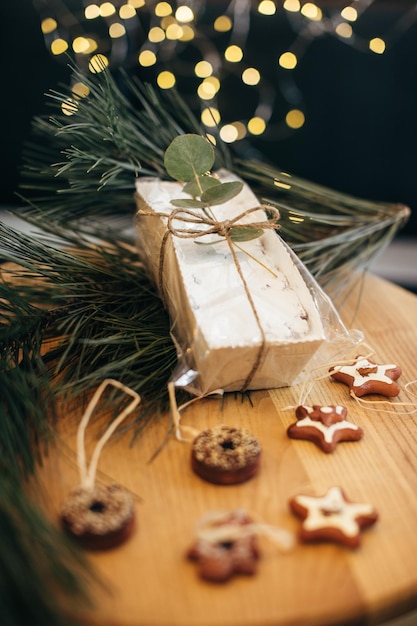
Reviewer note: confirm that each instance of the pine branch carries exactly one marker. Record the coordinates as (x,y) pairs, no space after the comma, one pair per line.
(38,566)
(35,559)
(73,317)
(114,137)
(104,315)
(108,141)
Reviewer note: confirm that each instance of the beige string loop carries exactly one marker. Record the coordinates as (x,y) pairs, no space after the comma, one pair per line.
(176,413)
(210,528)
(377,404)
(88,474)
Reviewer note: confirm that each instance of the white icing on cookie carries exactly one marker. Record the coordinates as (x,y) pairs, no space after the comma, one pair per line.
(332,511)
(362,363)
(327,431)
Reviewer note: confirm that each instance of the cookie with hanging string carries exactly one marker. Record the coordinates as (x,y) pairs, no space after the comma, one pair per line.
(99,517)
(366,377)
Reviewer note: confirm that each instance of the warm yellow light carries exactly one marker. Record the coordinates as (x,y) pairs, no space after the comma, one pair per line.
(267,7)
(208,88)
(350,14)
(256,125)
(202,69)
(292,5)
(92,12)
(377,45)
(147,58)
(211,139)
(165,80)
(163,9)
(295,118)
(174,32)
(84,45)
(117,30)
(213,80)
(69,107)
(48,25)
(240,129)
(206,91)
(233,54)
(311,11)
(59,46)
(187,33)
(222,24)
(167,21)
(136,4)
(251,76)
(344,30)
(184,14)
(210,117)
(98,63)
(156,34)
(228,133)
(80,45)
(281,185)
(107,9)
(288,60)
(126,12)
(92,45)
(80,90)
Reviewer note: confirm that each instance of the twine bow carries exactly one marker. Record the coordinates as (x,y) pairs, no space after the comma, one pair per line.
(213,226)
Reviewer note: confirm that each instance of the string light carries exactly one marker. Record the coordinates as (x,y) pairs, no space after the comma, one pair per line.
(157,35)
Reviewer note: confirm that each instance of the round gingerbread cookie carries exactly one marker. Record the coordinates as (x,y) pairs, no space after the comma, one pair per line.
(225,455)
(99,517)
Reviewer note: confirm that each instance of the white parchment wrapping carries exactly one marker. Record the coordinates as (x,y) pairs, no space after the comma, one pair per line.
(213,322)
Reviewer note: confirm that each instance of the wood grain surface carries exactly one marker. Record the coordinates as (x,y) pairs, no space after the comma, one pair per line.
(149,582)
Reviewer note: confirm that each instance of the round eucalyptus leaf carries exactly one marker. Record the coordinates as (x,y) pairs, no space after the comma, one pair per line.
(245,233)
(188,156)
(195,188)
(185,203)
(222,193)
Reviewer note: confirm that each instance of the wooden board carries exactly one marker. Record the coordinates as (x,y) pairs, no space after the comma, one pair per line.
(150,582)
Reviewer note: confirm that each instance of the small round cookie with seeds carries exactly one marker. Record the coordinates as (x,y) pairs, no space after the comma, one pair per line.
(225,455)
(99,517)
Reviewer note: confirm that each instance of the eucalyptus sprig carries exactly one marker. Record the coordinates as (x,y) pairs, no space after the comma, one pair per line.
(190,158)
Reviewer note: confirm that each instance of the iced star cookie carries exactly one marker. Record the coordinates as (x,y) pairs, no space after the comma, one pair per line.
(332,517)
(325,426)
(365,377)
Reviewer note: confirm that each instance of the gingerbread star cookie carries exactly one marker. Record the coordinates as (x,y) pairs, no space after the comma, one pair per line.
(332,517)
(223,548)
(325,426)
(365,377)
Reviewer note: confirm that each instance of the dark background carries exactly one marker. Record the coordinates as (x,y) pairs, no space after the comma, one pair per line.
(360,134)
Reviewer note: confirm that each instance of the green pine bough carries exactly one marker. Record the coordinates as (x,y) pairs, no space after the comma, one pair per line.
(82,308)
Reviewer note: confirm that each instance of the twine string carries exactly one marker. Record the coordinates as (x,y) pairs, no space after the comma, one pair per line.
(211,528)
(372,405)
(207,224)
(176,410)
(88,473)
